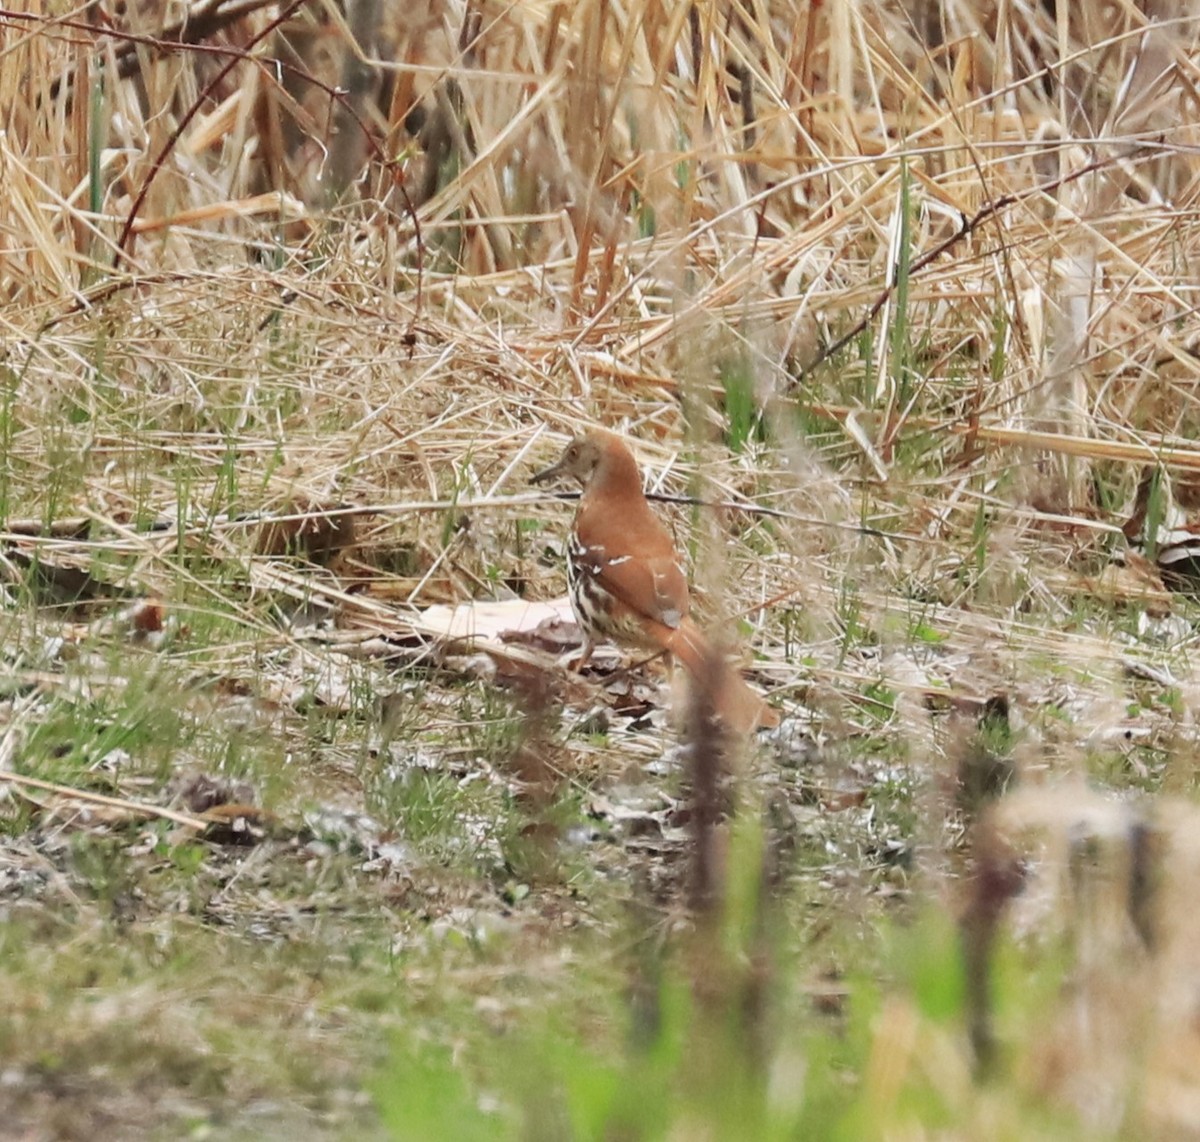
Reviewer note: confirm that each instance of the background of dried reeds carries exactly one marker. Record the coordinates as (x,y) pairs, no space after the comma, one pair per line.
(941,229)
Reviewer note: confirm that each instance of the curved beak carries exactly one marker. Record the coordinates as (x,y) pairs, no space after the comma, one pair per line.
(551,473)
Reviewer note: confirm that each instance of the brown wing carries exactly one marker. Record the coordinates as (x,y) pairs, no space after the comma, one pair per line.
(632,558)
(653,588)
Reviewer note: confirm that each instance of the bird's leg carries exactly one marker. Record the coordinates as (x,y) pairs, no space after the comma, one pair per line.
(585,655)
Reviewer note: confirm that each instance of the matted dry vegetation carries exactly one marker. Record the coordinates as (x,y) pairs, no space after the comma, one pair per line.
(909,290)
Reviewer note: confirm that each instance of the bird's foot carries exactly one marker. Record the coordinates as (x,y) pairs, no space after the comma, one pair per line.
(576,660)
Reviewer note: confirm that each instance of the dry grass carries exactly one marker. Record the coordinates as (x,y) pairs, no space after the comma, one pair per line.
(918,278)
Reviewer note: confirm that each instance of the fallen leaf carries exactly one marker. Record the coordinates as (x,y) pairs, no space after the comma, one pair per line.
(492,621)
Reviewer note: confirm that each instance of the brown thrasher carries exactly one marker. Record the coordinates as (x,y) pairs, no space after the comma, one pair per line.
(625,578)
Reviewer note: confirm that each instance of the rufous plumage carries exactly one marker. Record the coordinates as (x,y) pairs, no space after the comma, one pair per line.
(626,580)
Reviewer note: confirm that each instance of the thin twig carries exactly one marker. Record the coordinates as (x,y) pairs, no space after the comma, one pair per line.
(101,799)
(200,100)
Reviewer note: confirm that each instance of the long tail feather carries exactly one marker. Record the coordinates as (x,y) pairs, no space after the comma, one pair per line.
(738,706)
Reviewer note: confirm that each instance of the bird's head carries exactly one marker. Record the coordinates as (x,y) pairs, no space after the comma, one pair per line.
(579,460)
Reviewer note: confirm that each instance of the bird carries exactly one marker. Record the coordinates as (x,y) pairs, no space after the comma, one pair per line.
(625,578)
(1164,530)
